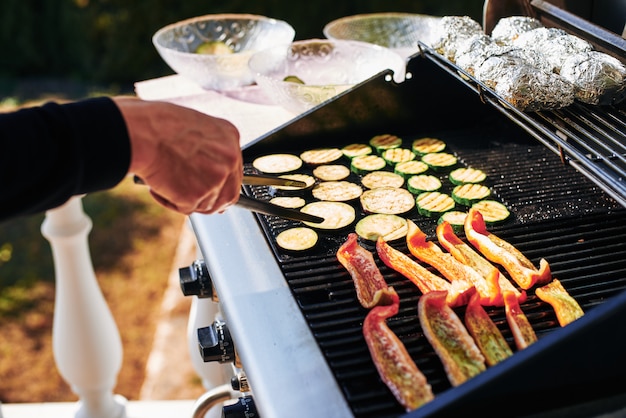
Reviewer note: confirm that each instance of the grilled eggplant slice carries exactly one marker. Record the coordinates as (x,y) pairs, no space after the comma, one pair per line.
(337,191)
(321,156)
(382,179)
(305,178)
(389,227)
(297,239)
(331,172)
(291,202)
(337,215)
(277,163)
(388,200)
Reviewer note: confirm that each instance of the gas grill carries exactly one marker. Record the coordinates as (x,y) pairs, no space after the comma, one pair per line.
(295,319)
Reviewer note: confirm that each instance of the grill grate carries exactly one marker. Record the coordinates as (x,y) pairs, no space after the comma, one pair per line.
(558,214)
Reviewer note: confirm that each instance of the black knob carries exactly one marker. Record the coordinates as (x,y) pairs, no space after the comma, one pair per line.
(216,344)
(244,408)
(195,280)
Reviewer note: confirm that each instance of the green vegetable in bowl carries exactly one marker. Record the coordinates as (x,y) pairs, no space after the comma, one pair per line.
(293,79)
(214,47)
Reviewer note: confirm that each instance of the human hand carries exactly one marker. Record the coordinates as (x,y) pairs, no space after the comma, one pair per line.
(191,161)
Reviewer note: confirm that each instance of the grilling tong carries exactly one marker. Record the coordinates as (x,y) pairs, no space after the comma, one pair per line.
(266,208)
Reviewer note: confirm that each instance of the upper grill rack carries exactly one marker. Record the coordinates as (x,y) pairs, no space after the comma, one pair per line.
(590,138)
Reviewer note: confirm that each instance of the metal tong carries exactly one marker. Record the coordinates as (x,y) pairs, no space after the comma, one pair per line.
(267,208)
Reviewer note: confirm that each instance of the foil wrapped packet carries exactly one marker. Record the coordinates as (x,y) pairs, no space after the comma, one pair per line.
(510,28)
(451,32)
(598,78)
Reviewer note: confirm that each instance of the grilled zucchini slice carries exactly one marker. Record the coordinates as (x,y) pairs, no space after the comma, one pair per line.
(410,168)
(277,163)
(394,156)
(468,194)
(297,239)
(390,227)
(321,156)
(440,161)
(366,163)
(337,215)
(467,175)
(387,200)
(493,211)
(433,204)
(455,218)
(331,172)
(337,191)
(356,150)
(291,202)
(427,145)
(384,142)
(382,179)
(423,183)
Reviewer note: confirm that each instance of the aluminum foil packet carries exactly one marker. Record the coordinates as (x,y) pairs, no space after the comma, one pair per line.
(510,28)
(598,78)
(473,51)
(451,32)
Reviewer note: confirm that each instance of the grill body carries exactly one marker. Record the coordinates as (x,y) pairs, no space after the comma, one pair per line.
(295,319)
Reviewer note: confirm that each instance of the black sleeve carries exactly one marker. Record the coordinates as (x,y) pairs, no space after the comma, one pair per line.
(53,152)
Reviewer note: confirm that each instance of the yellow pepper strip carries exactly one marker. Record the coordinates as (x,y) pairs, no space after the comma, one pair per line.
(371,287)
(496,281)
(565,307)
(453,270)
(450,339)
(394,364)
(486,334)
(523,333)
(497,250)
(459,291)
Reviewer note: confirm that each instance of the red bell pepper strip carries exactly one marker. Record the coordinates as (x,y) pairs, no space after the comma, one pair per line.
(486,334)
(459,291)
(394,364)
(499,251)
(496,281)
(445,263)
(446,333)
(370,285)
(523,333)
(565,306)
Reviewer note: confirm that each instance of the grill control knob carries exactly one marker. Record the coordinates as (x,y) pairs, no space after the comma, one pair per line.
(243,408)
(216,344)
(195,280)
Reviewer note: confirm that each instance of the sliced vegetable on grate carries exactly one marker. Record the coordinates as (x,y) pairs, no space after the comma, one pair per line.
(523,332)
(565,306)
(485,332)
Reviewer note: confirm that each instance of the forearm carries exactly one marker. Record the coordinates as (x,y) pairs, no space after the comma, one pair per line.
(54,152)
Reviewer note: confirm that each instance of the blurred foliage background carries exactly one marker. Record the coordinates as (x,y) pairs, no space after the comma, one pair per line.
(108,42)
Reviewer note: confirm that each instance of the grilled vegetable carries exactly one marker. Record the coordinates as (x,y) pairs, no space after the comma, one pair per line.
(439,161)
(356,150)
(321,156)
(566,308)
(410,168)
(277,163)
(486,334)
(468,194)
(214,48)
(297,239)
(382,179)
(337,215)
(496,281)
(371,287)
(455,218)
(309,180)
(331,172)
(444,330)
(459,291)
(389,227)
(423,183)
(523,333)
(465,175)
(393,362)
(337,191)
(394,156)
(501,252)
(433,203)
(292,202)
(366,163)
(493,212)
(389,200)
(384,142)
(427,145)
(428,252)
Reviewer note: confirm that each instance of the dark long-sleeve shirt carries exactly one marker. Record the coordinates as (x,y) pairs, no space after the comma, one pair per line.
(50,153)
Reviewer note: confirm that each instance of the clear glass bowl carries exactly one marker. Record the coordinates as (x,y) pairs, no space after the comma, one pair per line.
(244,34)
(325,67)
(398,31)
